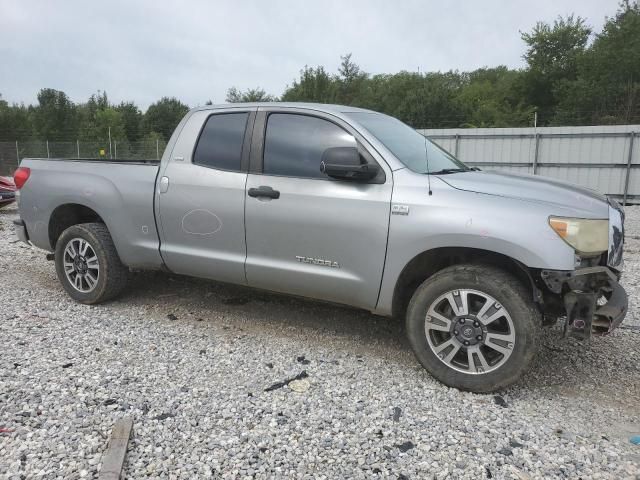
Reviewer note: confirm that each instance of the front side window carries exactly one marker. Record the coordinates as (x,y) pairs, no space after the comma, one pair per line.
(294,144)
(220,143)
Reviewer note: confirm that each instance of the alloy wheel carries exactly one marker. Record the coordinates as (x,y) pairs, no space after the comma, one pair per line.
(469,331)
(81,265)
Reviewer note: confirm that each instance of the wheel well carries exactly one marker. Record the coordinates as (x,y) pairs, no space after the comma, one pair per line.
(430,262)
(68,215)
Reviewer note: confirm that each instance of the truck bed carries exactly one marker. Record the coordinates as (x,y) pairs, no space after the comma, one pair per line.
(120,192)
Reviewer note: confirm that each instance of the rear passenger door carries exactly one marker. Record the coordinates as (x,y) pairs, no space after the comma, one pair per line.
(314,236)
(202,196)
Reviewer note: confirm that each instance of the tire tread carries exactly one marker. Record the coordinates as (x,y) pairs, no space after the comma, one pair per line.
(503,281)
(115,274)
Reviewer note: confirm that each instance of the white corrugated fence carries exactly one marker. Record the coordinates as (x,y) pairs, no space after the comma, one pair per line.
(605,158)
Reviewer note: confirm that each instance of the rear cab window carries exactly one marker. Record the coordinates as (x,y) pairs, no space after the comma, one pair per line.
(220,143)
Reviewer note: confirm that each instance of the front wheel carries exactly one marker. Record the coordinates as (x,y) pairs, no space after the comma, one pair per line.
(473,327)
(88,265)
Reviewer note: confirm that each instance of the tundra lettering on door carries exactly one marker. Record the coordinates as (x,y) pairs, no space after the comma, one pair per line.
(317,261)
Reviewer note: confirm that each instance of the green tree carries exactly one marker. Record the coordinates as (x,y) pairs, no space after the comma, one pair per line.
(99,119)
(163,116)
(131,120)
(314,85)
(608,86)
(420,100)
(55,116)
(552,56)
(15,122)
(490,98)
(109,122)
(351,81)
(250,95)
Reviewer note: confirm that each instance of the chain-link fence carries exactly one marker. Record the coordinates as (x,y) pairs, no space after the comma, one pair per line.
(12,152)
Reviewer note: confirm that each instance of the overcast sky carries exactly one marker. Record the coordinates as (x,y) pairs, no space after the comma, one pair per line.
(196,50)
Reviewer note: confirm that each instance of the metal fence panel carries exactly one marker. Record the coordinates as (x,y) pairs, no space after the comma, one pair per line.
(605,158)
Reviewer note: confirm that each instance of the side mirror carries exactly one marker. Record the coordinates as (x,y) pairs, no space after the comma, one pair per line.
(344,163)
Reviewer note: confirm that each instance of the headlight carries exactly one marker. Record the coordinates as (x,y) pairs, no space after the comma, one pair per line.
(584,235)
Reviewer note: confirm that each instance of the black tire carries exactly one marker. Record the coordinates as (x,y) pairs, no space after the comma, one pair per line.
(112,274)
(503,287)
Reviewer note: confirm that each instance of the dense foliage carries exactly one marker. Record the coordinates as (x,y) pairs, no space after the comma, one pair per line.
(572,77)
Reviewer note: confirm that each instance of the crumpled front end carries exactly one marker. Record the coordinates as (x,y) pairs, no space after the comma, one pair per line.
(593,301)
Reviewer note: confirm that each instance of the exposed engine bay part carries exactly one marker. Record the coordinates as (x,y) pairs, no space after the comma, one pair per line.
(594,301)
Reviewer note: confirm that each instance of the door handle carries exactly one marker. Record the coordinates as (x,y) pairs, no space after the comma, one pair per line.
(264,191)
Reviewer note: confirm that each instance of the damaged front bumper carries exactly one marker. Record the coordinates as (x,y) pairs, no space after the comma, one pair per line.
(594,302)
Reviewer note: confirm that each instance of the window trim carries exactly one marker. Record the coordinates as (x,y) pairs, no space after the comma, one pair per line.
(246,141)
(260,136)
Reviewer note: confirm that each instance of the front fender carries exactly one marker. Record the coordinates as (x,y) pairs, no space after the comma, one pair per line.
(453,218)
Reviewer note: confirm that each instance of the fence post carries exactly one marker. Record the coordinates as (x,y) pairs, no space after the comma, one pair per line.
(455,151)
(115,150)
(78,147)
(17,154)
(629,158)
(48,156)
(157,149)
(535,154)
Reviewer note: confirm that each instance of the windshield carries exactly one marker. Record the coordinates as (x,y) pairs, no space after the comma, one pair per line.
(408,145)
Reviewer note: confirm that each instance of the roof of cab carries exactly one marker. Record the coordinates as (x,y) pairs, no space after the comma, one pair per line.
(321,107)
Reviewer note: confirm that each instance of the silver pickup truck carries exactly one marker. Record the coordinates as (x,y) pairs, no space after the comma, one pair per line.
(349,206)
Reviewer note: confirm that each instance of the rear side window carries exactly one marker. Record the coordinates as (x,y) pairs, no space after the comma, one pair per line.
(294,144)
(220,143)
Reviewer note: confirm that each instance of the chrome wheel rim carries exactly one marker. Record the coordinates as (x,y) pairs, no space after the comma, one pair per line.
(470,331)
(81,266)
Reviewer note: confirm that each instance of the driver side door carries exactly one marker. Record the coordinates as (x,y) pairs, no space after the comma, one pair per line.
(308,234)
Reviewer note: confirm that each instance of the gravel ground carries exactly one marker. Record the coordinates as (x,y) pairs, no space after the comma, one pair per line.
(192,362)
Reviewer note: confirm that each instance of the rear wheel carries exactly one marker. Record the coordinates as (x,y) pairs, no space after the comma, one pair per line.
(473,327)
(88,265)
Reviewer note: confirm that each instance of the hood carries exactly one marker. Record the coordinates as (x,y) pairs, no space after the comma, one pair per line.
(7,183)
(584,201)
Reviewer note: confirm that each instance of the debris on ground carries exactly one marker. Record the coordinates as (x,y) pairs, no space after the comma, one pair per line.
(397,412)
(299,386)
(284,383)
(500,401)
(303,360)
(164,416)
(406,446)
(114,457)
